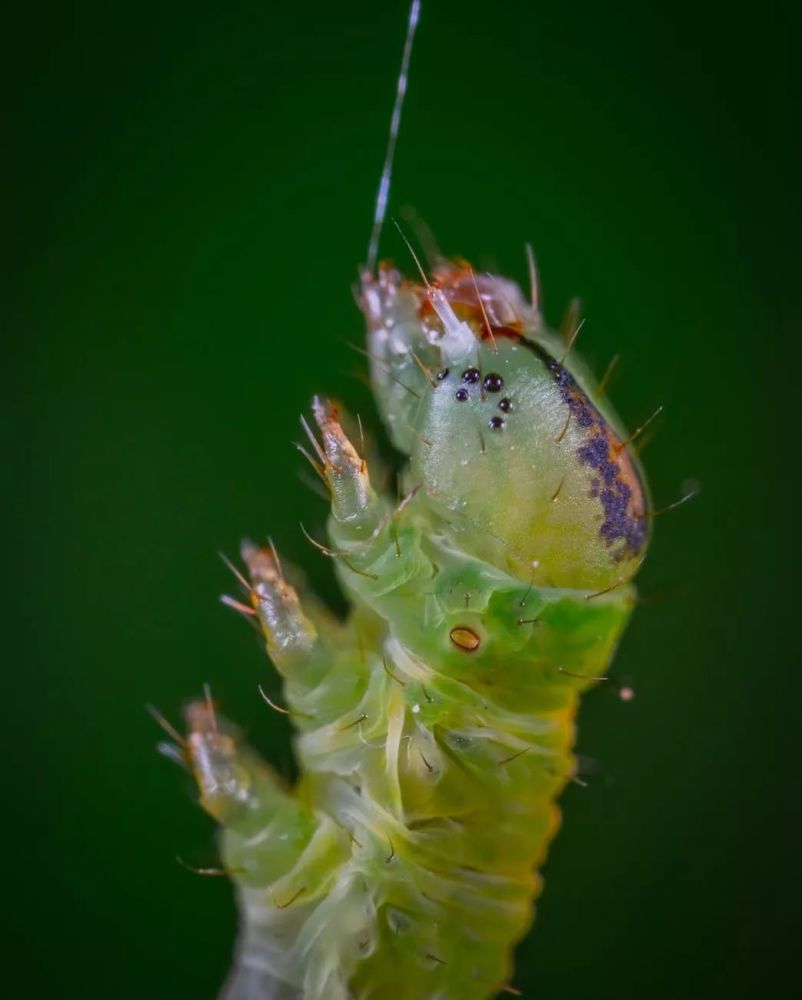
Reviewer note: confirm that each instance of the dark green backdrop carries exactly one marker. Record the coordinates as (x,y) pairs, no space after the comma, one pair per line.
(190,193)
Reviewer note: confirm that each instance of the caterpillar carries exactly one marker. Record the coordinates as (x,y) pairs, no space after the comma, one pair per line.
(435,723)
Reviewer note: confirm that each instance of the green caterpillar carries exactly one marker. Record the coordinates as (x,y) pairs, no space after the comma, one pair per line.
(435,724)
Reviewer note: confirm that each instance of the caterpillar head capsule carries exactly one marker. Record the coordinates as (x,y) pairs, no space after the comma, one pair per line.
(519,457)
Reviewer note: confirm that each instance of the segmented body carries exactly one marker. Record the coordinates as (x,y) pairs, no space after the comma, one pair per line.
(436,724)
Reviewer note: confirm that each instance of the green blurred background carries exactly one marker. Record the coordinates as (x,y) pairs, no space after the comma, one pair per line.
(189,195)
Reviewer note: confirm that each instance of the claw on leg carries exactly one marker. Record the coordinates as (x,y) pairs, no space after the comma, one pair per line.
(236,787)
(266,827)
(290,635)
(353,501)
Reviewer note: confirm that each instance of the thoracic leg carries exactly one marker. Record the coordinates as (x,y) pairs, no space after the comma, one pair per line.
(282,854)
(375,543)
(355,507)
(308,918)
(245,796)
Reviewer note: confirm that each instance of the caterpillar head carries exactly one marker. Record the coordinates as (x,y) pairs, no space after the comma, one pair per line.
(518,458)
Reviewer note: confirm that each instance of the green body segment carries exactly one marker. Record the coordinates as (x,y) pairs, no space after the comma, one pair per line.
(436,724)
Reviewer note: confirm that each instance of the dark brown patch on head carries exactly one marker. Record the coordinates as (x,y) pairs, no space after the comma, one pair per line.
(616,483)
(618,488)
(463,287)
(501,333)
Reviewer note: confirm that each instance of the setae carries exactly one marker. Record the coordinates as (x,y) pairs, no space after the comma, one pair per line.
(436,724)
